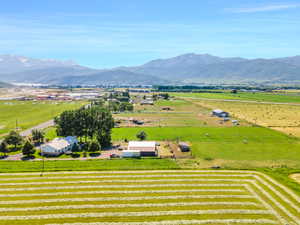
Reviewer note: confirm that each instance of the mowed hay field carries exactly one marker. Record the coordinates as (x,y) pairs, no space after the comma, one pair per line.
(146,197)
(30,113)
(284,118)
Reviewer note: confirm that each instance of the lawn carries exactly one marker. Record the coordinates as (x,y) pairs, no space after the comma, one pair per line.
(30,113)
(65,165)
(146,198)
(251,96)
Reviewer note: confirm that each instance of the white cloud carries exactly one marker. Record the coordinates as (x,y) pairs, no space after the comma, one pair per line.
(265,8)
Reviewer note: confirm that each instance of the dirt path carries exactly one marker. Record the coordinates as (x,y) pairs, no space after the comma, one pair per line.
(41,126)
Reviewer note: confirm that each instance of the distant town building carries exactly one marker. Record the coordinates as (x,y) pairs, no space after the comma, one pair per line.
(220,113)
(58,146)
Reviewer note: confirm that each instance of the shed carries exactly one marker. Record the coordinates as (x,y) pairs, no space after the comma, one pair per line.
(131,154)
(184,147)
(220,113)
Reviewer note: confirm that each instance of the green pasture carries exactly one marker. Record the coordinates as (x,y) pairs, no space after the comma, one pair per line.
(234,143)
(30,113)
(251,96)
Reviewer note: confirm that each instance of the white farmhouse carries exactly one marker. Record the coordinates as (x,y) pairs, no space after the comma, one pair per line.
(58,146)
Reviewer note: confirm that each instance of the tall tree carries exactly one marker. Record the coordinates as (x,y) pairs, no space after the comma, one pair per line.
(14,138)
(28,149)
(3,148)
(90,122)
(37,135)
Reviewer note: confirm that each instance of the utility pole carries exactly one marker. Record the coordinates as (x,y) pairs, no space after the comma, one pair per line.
(43,166)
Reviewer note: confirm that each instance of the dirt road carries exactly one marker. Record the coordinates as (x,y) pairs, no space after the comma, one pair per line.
(41,126)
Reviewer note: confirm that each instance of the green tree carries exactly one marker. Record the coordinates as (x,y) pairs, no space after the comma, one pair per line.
(125,106)
(3,148)
(94,146)
(28,149)
(91,122)
(14,138)
(142,135)
(37,136)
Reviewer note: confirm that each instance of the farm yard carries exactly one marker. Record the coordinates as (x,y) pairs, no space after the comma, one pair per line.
(178,113)
(30,113)
(146,197)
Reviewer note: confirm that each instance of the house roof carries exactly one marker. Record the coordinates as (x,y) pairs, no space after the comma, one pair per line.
(60,143)
(218,111)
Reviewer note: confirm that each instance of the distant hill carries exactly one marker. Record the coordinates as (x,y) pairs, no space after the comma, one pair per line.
(184,69)
(5,85)
(191,68)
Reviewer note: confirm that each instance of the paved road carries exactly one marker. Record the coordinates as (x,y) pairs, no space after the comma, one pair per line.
(41,126)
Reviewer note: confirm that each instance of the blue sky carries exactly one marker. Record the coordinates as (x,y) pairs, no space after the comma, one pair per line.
(108,33)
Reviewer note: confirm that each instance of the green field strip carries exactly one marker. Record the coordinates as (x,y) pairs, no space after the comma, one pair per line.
(144,181)
(75,188)
(63,175)
(84,219)
(138,208)
(129,194)
(184,222)
(125,172)
(123,178)
(100,214)
(86,199)
(120,184)
(134,201)
(120,192)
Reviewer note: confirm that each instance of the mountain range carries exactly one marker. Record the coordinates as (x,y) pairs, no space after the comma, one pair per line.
(184,69)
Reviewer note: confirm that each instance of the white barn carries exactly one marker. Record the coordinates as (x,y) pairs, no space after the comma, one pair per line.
(58,146)
(141,148)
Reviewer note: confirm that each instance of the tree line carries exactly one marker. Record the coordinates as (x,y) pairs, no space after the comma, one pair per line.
(93,122)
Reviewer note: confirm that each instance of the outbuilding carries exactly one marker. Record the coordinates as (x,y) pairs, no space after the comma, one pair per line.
(184,147)
(146,148)
(220,113)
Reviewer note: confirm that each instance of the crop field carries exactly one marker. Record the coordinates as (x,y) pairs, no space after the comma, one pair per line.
(146,197)
(247,96)
(30,113)
(284,118)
